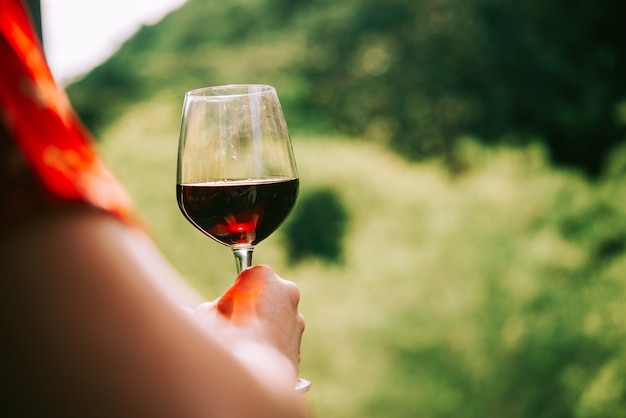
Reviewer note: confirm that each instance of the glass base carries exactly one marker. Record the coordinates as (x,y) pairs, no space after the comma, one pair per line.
(303,385)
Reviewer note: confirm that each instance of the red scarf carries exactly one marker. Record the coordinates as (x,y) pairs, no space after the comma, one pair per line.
(38,115)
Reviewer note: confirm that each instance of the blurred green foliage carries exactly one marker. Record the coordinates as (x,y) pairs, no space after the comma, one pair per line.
(417,75)
(317,229)
(498,292)
(430,71)
(495,289)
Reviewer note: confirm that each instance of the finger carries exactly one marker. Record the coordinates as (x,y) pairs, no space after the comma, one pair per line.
(292,290)
(301,323)
(240,298)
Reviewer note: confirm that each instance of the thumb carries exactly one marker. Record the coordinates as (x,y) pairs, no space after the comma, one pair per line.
(239,301)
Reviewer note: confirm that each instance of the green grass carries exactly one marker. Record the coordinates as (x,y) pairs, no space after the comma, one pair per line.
(495,293)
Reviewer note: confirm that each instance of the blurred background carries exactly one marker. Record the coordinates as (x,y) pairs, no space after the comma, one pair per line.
(460,238)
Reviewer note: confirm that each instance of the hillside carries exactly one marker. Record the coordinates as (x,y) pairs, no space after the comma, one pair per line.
(203,43)
(416,75)
(498,293)
(496,290)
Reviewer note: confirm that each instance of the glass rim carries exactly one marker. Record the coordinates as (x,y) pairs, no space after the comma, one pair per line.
(227,91)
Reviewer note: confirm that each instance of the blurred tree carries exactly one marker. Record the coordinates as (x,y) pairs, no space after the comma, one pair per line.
(110,88)
(559,69)
(317,227)
(422,73)
(415,74)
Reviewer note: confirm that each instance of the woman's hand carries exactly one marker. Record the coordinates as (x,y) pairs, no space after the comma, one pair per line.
(103,336)
(258,314)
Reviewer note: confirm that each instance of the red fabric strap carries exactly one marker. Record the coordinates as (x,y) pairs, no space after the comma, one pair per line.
(38,115)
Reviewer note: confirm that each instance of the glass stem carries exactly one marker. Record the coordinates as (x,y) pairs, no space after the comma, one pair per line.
(243,257)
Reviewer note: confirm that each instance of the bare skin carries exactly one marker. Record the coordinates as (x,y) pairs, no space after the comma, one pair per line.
(94,331)
(94,321)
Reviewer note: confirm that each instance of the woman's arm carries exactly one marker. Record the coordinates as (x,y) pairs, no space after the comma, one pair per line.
(93,331)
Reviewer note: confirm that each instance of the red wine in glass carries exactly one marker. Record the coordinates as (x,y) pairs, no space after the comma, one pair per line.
(243,212)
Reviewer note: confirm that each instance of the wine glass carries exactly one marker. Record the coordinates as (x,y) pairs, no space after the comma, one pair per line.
(237,179)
